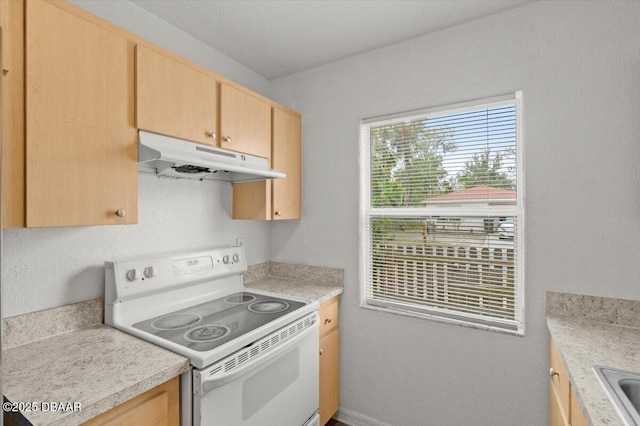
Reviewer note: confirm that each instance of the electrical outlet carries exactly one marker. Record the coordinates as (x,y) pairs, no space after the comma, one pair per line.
(239,242)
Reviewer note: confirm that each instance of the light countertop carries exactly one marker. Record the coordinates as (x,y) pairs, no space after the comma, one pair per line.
(310,282)
(296,288)
(592,331)
(98,367)
(65,355)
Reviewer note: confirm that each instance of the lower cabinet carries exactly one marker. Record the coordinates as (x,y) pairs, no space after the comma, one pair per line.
(577,416)
(159,406)
(329,360)
(564,407)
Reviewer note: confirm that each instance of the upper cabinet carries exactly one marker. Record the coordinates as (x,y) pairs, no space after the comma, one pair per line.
(286,158)
(174,99)
(80,135)
(245,122)
(13,181)
(75,90)
(275,199)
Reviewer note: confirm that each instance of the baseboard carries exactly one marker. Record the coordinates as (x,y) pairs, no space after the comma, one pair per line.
(352,418)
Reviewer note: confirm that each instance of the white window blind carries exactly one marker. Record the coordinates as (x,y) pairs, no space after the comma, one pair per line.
(441,213)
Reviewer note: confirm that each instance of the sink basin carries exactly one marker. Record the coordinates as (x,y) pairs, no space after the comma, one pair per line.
(623,389)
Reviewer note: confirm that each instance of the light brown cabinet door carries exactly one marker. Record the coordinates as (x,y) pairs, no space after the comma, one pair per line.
(286,158)
(12,21)
(174,99)
(278,198)
(577,416)
(245,122)
(559,378)
(159,406)
(81,140)
(555,412)
(329,375)
(252,200)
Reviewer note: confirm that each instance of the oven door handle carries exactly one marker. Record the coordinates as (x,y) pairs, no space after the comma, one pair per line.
(208,384)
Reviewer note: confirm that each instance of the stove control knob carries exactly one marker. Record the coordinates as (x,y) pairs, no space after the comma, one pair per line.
(236,257)
(133,274)
(150,272)
(225,259)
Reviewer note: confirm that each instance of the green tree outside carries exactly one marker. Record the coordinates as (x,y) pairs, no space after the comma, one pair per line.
(408,168)
(484,170)
(407,163)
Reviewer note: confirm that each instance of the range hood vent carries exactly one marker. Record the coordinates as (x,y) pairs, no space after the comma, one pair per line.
(178,158)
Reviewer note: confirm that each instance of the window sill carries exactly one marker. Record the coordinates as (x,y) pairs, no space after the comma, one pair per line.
(437,318)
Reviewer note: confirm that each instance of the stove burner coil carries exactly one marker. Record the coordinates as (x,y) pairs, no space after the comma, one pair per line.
(175,321)
(239,299)
(206,333)
(268,307)
(189,169)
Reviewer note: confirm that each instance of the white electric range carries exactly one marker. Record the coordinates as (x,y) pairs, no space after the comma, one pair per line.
(254,354)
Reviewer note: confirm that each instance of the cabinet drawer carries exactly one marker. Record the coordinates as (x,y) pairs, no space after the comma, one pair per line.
(328,315)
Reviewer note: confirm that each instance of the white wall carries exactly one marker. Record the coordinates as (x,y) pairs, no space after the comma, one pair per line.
(44,268)
(578,64)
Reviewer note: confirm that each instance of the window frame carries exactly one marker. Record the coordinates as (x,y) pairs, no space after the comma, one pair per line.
(516,327)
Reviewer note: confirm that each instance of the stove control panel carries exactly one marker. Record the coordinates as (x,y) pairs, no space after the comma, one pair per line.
(132,279)
(192,265)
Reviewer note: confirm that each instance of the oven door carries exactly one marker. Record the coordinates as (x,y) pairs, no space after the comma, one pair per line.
(265,384)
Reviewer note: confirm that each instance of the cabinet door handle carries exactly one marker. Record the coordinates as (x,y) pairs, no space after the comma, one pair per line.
(212,135)
(321,351)
(553,372)
(278,213)
(226,139)
(327,321)
(121,212)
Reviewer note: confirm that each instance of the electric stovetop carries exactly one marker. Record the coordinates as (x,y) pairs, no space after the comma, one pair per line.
(208,325)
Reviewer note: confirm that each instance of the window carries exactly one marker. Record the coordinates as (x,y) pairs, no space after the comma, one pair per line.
(441,213)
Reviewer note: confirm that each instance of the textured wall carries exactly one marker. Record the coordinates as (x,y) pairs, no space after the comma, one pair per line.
(48,267)
(578,64)
(44,268)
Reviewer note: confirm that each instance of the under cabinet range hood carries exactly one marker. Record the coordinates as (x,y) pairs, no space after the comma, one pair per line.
(178,158)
